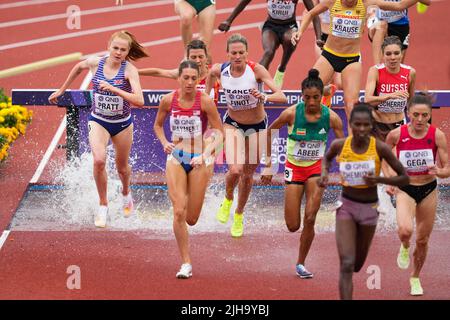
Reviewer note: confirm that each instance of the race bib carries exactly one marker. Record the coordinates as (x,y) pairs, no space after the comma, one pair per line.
(288,174)
(346,27)
(308,150)
(281,9)
(240,99)
(352,173)
(390,16)
(185,126)
(416,161)
(108,105)
(393,105)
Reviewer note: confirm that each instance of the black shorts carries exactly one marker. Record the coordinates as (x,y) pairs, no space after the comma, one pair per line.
(418,193)
(247,129)
(339,63)
(380,130)
(279,29)
(401,31)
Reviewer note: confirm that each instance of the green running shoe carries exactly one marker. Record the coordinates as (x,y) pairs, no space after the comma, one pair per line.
(278,78)
(237,228)
(223,214)
(416,288)
(403,257)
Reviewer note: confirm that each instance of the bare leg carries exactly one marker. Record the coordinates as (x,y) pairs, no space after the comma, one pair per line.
(288,50)
(270,44)
(122,143)
(187,14)
(346,231)
(206,20)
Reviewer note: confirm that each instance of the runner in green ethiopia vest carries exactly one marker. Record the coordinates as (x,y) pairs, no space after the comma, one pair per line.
(309,124)
(307,140)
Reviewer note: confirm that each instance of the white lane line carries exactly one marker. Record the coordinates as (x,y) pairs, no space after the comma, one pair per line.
(26,3)
(56,137)
(109,28)
(3,238)
(85,13)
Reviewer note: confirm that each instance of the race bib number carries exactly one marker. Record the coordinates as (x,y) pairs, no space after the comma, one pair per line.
(346,27)
(288,174)
(416,160)
(393,106)
(108,105)
(186,126)
(308,150)
(352,173)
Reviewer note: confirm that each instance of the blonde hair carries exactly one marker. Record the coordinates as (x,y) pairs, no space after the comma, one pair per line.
(237,37)
(136,50)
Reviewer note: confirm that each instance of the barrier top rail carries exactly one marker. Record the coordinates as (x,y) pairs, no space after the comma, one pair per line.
(82,98)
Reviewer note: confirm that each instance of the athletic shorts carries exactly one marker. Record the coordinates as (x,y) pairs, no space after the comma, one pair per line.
(401,31)
(112,128)
(299,175)
(247,129)
(183,158)
(361,213)
(200,5)
(418,193)
(380,130)
(279,29)
(339,63)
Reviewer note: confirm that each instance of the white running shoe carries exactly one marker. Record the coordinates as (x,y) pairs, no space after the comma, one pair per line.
(128,205)
(185,271)
(100,218)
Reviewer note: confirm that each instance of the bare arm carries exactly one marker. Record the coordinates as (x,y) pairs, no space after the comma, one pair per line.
(163,111)
(158,72)
(371,84)
(225,26)
(309,5)
(336,124)
(212,77)
(308,17)
(333,151)
(135,97)
(90,63)
(263,75)
(385,152)
(441,143)
(412,83)
(215,123)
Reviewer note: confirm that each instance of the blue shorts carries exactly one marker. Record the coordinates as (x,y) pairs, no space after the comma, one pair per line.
(184,158)
(112,128)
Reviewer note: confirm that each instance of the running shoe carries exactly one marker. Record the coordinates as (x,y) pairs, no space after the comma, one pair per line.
(100,218)
(237,228)
(416,288)
(302,272)
(327,99)
(403,257)
(185,271)
(278,78)
(128,205)
(223,214)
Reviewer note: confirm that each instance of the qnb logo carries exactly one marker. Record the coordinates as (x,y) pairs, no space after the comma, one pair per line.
(73,17)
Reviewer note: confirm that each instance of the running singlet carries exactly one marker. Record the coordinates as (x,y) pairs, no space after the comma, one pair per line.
(107,106)
(353,166)
(214,94)
(347,22)
(389,83)
(237,90)
(392,16)
(307,140)
(281,9)
(187,123)
(416,154)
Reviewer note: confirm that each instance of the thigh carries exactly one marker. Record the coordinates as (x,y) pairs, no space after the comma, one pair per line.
(176,179)
(351,81)
(293,195)
(206,19)
(313,194)
(254,145)
(425,215)
(234,145)
(325,69)
(122,144)
(346,237)
(98,139)
(269,40)
(406,208)
(198,180)
(185,9)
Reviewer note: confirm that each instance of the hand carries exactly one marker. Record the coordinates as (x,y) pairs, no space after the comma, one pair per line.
(266,175)
(391,190)
(105,86)
(54,96)
(258,94)
(402,94)
(371,180)
(197,161)
(320,43)
(224,26)
(168,147)
(119,2)
(295,38)
(433,170)
(322,181)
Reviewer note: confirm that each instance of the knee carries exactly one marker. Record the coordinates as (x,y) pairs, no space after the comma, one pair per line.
(422,241)
(383,26)
(179,214)
(347,264)
(185,20)
(404,233)
(247,177)
(269,53)
(292,227)
(99,163)
(192,220)
(236,172)
(123,170)
(309,220)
